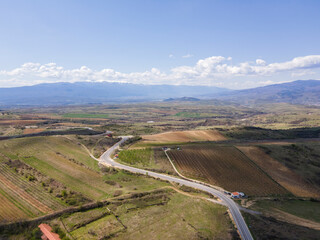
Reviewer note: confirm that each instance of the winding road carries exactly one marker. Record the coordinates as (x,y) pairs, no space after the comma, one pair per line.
(244,232)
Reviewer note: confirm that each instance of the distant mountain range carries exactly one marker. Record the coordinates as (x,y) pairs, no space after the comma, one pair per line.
(98,93)
(297,92)
(182,99)
(306,92)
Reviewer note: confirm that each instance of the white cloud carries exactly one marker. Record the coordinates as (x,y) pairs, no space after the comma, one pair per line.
(215,70)
(260,62)
(171,56)
(187,56)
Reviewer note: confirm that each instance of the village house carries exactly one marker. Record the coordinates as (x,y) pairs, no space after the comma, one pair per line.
(47,233)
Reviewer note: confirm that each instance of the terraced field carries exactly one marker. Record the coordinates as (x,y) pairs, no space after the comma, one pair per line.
(39,175)
(21,198)
(224,166)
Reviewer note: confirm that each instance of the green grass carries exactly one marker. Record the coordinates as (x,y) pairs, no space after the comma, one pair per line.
(255,133)
(181,218)
(301,208)
(153,159)
(137,156)
(84,115)
(188,115)
(157,215)
(133,183)
(302,158)
(79,219)
(99,229)
(263,227)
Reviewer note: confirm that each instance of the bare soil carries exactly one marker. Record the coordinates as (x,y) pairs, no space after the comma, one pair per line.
(185,136)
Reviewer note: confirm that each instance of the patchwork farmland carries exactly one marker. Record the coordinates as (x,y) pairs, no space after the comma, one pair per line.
(224,166)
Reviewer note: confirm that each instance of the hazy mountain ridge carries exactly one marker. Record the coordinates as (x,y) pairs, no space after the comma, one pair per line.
(306,92)
(298,92)
(84,93)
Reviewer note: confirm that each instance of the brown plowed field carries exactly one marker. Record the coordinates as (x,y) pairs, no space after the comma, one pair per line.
(31,130)
(224,166)
(280,173)
(184,136)
(20,122)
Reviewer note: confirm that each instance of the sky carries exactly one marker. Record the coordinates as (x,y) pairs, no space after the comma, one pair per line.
(233,44)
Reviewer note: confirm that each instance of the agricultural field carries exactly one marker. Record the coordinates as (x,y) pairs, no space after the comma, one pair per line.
(283,175)
(302,209)
(56,172)
(153,159)
(266,227)
(40,175)
(84,115)
(153,118)
(255,133)
(301,158)
(224,166)
(184,136)
(23,197)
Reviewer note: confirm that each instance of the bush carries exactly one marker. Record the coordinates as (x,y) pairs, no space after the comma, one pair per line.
(64,193)
(117,193)
(31,178)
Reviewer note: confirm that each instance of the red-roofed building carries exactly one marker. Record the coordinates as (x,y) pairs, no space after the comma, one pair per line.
(47,232)
(235,195)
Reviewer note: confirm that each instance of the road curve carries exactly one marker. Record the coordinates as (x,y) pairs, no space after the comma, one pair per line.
(244,232)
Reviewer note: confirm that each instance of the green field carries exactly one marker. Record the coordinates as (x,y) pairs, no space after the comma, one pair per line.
(301,208)
(85,115)
(263,227)
(148,158)
(137,156)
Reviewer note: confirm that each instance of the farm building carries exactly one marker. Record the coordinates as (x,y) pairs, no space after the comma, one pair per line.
(47,232)
(237,194)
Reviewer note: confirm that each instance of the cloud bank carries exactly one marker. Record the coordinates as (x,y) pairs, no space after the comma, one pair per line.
(215,70)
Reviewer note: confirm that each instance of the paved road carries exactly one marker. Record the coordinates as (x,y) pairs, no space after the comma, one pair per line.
(233,208)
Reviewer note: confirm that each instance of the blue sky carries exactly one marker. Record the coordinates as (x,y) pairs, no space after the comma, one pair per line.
(154,42)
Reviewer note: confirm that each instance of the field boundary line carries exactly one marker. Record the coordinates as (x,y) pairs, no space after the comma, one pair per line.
(260,169)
